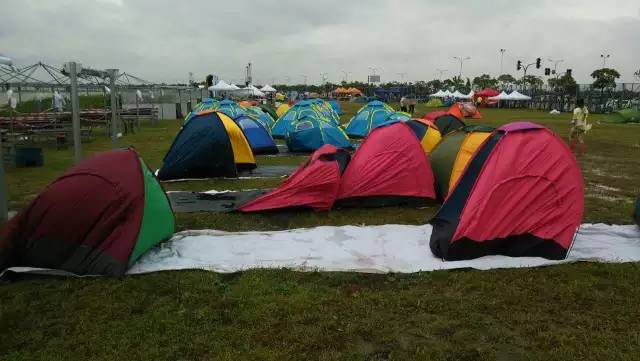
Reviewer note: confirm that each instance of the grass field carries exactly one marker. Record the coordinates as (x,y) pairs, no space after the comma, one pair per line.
(581,311)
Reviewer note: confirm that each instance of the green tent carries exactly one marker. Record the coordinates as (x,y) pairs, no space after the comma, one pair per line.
(435,103)
(629,115)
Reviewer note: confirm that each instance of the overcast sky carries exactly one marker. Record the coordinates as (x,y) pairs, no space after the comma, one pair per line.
(164,40)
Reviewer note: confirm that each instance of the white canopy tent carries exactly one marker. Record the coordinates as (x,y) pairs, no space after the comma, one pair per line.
(438,94)
(516,95)
(221,86)
(268,89)
(447,93)
(250,91)
(459,95)
(234,87)
(501,96)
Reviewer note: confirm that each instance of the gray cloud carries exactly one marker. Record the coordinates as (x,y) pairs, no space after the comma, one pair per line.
(164,40)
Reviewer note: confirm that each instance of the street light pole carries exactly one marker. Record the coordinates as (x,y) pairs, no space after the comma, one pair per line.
(604,59)
(461,59)
(502,51)
(555,65)
(441,71)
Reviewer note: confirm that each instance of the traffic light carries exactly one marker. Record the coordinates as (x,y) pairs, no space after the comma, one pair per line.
(519,65)
(538,63)
(568,72)
(547,71)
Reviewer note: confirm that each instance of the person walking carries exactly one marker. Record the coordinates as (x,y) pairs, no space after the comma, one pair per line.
(57,102)
(579,127)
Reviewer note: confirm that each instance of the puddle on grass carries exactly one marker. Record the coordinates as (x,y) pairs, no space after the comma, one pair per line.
(603,173)
(606,188)
(610,198)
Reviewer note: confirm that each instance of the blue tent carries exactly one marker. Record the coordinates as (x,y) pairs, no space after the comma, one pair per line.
(257,135)
(230,108)
(335,105)
(287,121)
(368,118)
(260,115)
(327,110)
(311,133)
(205,104)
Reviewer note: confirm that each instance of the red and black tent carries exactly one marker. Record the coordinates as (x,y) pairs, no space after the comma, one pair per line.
(314,185)
(520,195)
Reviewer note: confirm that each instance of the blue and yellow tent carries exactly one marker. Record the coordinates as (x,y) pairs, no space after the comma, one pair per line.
(210,144)
(368,118)
(310,133)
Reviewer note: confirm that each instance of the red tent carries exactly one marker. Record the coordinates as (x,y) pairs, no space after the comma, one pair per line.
(389,168)
(315,184)
(98,218)
(521,195)
(433,115)
(486,93)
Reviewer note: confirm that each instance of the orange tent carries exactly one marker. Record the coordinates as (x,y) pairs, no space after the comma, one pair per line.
(464,110)
(247,103)
(354,91)
(340,90)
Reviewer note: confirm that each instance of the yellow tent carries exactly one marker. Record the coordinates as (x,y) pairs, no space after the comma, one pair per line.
(283,108)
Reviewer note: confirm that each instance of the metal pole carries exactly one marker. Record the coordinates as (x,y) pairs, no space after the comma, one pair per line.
(3,188)
(113,75)
(75,111)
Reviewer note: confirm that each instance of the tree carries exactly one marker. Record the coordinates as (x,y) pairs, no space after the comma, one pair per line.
(506,80)
(531,81)
(434,85)
(565,84)
(456,82)
(637,74)
(485,81)
(605,78)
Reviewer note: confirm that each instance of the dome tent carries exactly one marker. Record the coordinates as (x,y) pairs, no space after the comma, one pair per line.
(447,124)
(310,133)
(335,105)
(210,145)
(261,115)
(521,195)
(286,122)
(452,155)
(230,108)
(314,185)
(389,168)
(464,110)
(205,104)
(427,133)
(98,218)
(282,109)
(257,135)
(269,110)
(327,111)
(368,118)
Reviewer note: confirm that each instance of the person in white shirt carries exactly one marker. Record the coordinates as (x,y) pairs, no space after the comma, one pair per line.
(57,102)
(579,127)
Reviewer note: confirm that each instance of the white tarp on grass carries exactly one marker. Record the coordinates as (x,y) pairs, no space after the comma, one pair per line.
(388,248)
